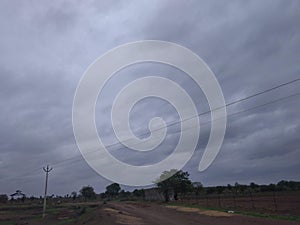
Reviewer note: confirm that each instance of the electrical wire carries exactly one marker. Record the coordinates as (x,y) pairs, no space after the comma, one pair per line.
(58,163)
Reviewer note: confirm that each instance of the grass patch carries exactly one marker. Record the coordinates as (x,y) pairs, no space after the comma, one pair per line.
(7,223)
(67,221)
(254,214)
(270,216)
(58,215)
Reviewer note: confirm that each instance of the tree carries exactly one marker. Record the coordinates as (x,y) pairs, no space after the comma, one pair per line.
(229,187)
(220,189)
(253,186)
(124,194)
(74,195)
(138,193)
(240,187)
(112,190)
(198,187)
(175,180)
(288,185)
(3,198)
(103,195)
(88,192)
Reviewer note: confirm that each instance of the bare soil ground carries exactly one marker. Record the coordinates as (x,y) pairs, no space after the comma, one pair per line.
(158,214)
(127,213)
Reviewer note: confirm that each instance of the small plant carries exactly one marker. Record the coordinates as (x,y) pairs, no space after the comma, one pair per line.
(81,211)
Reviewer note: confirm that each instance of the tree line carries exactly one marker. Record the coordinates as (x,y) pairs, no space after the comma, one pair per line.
(177,182)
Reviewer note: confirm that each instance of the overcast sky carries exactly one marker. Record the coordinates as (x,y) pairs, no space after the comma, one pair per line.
(45,47)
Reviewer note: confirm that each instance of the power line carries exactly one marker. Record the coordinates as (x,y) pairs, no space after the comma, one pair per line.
(198,115)
(252,108)
(229,104)
(208,122)
(201,114)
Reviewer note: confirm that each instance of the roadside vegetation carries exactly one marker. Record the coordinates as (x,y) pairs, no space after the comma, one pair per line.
(277,201)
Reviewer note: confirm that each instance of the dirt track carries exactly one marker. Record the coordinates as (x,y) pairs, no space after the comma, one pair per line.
(155,214)
(127,213)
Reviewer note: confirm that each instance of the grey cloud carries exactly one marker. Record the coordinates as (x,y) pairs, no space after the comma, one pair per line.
(46,47)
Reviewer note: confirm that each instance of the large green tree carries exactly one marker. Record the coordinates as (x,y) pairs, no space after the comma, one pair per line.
(113,190)
(88,192)
(174,180)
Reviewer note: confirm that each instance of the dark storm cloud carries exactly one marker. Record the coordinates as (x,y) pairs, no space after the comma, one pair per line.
(45,48)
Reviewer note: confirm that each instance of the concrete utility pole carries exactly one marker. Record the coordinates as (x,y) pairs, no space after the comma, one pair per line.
(47,170)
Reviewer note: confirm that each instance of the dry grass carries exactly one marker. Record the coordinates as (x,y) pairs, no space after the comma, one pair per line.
(200,211)
(124,218)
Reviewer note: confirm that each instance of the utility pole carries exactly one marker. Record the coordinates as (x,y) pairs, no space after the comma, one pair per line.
(47,170)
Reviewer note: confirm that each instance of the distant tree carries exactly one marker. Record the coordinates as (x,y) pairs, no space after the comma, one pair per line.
(113,190)
(264,188)
(229,187)
(74,195)
(210,190)
(138,193)
(124,194)
(288,185)
(198,187)
(268,188)
(240,187)
(103,195)
(175,180)
(3,198)
(283,185)
(272,187)
(254,186)
(220,189)
(88,193)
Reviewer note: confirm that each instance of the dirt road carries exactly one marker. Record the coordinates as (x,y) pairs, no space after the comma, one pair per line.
(126,213)
(156,214)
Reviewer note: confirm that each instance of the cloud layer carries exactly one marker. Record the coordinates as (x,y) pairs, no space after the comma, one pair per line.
(46,47)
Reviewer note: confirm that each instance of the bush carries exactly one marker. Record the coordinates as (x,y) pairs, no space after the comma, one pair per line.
(3,198)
